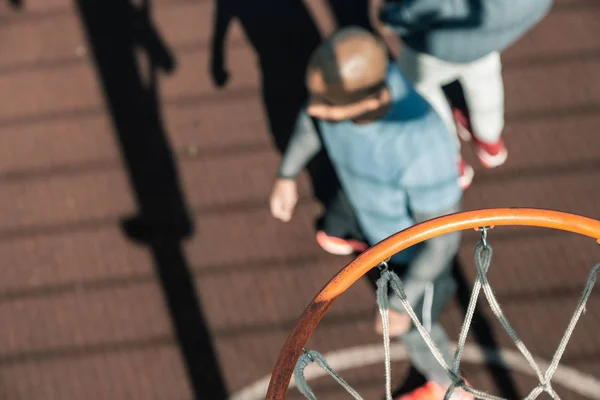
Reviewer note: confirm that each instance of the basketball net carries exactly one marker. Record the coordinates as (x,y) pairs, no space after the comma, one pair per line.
(483,257)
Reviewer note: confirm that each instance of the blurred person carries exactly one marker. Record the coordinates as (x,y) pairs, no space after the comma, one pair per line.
(446,41)
(396,161)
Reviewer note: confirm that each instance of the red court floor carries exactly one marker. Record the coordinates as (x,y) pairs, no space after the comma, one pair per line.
(200,311)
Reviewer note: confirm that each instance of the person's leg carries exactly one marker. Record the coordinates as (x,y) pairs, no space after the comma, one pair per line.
(484,94)
(428,307)
(338,230)
(422,358)
(428,74)
(437,296)
(427,311)
(419,353)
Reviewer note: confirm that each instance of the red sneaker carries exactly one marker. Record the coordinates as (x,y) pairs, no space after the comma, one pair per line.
(463,124)
(490,155)
(338,246)
(434,391)
(466,174)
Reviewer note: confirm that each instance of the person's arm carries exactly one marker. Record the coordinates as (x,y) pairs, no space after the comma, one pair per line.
(408,16)
(304,144)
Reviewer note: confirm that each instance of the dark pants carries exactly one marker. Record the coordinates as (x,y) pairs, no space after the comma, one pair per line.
(339,219)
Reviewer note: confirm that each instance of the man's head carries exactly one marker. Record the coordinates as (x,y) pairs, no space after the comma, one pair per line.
(348,70)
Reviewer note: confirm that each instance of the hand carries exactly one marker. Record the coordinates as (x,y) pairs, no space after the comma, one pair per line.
(283,199)
(399,323)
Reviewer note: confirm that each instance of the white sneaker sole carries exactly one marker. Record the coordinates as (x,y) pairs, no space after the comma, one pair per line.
(463,132)
(490,161)
(337,249)
(465,180)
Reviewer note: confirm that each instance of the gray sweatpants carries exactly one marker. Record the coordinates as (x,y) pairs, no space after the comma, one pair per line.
(422,358)
(429,286)
(428,311)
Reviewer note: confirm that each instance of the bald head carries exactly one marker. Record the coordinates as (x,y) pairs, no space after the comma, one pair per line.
(348,65)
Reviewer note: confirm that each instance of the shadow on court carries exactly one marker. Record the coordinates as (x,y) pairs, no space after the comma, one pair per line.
(283,35)
(129,55)
(16,4)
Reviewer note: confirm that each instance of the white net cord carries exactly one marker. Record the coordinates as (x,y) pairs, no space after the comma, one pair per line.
(483,257)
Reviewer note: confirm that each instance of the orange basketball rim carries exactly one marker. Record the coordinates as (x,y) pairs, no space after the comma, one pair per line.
(312,315)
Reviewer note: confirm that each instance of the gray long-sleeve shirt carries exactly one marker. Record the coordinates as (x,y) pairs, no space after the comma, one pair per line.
(462,31)
(304,144)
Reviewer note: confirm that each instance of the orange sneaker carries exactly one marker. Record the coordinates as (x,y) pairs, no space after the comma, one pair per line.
(434,391)
(338,246)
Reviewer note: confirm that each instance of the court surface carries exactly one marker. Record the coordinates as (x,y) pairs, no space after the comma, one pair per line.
(92,306)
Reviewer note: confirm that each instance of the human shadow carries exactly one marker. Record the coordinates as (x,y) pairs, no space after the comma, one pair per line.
(283,34)
(129,54)
(351,13)
(16,4)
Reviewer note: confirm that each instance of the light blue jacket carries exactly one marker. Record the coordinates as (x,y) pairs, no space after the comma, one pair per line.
(392,168)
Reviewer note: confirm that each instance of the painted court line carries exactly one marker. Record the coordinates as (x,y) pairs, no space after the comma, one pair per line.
(362,356)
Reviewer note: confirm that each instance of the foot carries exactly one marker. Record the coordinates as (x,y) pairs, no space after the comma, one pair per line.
(434,391)
(466,174)
(463,125)
(338,246)
(490,155)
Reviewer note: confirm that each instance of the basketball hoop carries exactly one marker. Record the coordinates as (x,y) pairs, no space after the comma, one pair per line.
(482,220)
